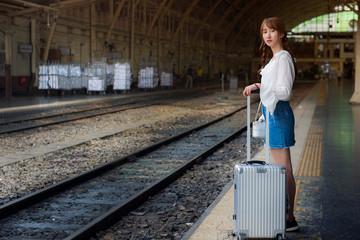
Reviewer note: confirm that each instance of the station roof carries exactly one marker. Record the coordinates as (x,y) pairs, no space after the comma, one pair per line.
(230,18)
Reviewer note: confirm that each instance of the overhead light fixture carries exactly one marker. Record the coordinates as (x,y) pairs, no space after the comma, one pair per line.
(48,21)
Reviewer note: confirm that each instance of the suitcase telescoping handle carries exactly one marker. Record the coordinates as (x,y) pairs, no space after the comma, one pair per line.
(255,162)
(267,152)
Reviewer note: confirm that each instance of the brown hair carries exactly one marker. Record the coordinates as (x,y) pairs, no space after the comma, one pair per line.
(266,53)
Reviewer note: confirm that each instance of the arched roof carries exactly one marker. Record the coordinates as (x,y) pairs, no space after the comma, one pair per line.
(238,19)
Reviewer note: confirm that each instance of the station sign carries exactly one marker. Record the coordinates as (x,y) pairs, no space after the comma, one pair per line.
(65,51)
(25,48)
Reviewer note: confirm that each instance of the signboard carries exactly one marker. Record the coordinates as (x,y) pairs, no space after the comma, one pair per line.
(65,51)
(114,55)
(25,48)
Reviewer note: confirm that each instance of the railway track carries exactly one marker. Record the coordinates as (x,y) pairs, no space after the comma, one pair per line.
(44,121)
(10,124)
(78,207)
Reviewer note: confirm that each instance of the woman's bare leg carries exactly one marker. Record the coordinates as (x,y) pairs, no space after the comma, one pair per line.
(283,157)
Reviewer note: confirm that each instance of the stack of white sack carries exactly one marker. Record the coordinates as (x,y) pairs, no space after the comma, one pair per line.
(166,79)
(146,78)
(58,77)
(109,74)
(63,80)
(97,77)
(43,76)
(122,76)
(75,75)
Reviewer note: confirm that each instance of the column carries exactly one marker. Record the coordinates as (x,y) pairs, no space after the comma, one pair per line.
(8,83)
(92,32)
(355,99)
(132,35)
(34,81)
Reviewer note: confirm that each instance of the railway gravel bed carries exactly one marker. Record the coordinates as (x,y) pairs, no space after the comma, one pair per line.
(55,115)
(40,137)
(175,208)
(90,199)
(29,175)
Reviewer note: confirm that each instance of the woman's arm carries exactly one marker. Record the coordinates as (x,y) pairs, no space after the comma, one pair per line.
(286,76)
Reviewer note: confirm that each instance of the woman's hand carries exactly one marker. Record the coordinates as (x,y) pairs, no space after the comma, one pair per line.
(261,118)
(248,89)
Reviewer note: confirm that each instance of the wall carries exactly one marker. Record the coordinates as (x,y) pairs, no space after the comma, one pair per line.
(73,31)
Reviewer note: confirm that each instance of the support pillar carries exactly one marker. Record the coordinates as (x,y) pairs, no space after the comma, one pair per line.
(34,80)
(132,36)
(111,10)
(93,32)
(159,49)
(180,54)
(8,83)
(355,99)
(50,38)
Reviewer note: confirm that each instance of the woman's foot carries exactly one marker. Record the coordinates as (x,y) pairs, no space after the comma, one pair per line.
(291,225)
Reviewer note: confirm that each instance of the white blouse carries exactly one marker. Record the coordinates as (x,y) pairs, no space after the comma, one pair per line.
(277,80)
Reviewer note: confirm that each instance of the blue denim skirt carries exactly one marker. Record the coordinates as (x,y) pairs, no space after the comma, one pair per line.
(281,126)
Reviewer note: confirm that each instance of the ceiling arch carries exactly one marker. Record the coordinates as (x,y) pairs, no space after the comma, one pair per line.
(221,19)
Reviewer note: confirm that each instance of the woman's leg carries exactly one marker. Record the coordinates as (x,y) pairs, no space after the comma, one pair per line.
(283,157)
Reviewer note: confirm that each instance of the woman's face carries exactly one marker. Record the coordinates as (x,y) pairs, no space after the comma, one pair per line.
(271,37)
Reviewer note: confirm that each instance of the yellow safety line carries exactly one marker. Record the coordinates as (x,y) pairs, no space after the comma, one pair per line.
(308,156)
(311,158)
(320,162)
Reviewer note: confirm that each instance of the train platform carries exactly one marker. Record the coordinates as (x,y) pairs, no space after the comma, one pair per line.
(31,102)
(22,103)
(326,166)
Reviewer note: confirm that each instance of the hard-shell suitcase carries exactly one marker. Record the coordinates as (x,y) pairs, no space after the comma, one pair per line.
(260,195)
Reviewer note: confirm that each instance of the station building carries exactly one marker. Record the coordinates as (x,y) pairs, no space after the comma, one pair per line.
(218,36)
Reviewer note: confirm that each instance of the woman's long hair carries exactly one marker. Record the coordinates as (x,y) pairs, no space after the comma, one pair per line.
(266,53)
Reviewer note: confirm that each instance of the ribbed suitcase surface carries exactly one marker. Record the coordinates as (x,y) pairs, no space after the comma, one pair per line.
(260,201)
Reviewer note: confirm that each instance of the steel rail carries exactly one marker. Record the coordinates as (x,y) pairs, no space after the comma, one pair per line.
(86,115)
(62,114)
(69,119)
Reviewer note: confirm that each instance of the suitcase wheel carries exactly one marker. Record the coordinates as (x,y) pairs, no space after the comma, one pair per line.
(279,237)
(235,234)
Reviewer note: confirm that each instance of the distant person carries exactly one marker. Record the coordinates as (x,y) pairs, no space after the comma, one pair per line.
(184,73)
(277,77)
(190,76)
(175,75)
(199,74)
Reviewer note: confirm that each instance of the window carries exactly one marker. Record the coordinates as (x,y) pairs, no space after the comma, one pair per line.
(335,22)
(348,47)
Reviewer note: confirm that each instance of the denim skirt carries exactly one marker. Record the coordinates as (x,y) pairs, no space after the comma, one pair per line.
(281,126)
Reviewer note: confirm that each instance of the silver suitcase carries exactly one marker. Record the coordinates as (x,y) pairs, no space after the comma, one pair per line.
(260,196)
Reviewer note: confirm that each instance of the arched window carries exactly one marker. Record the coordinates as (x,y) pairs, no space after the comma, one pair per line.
(342,21)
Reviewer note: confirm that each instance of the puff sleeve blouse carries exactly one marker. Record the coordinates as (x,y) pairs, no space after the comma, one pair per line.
(277,80)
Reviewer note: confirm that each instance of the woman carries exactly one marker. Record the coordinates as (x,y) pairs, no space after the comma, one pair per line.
(277,76)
